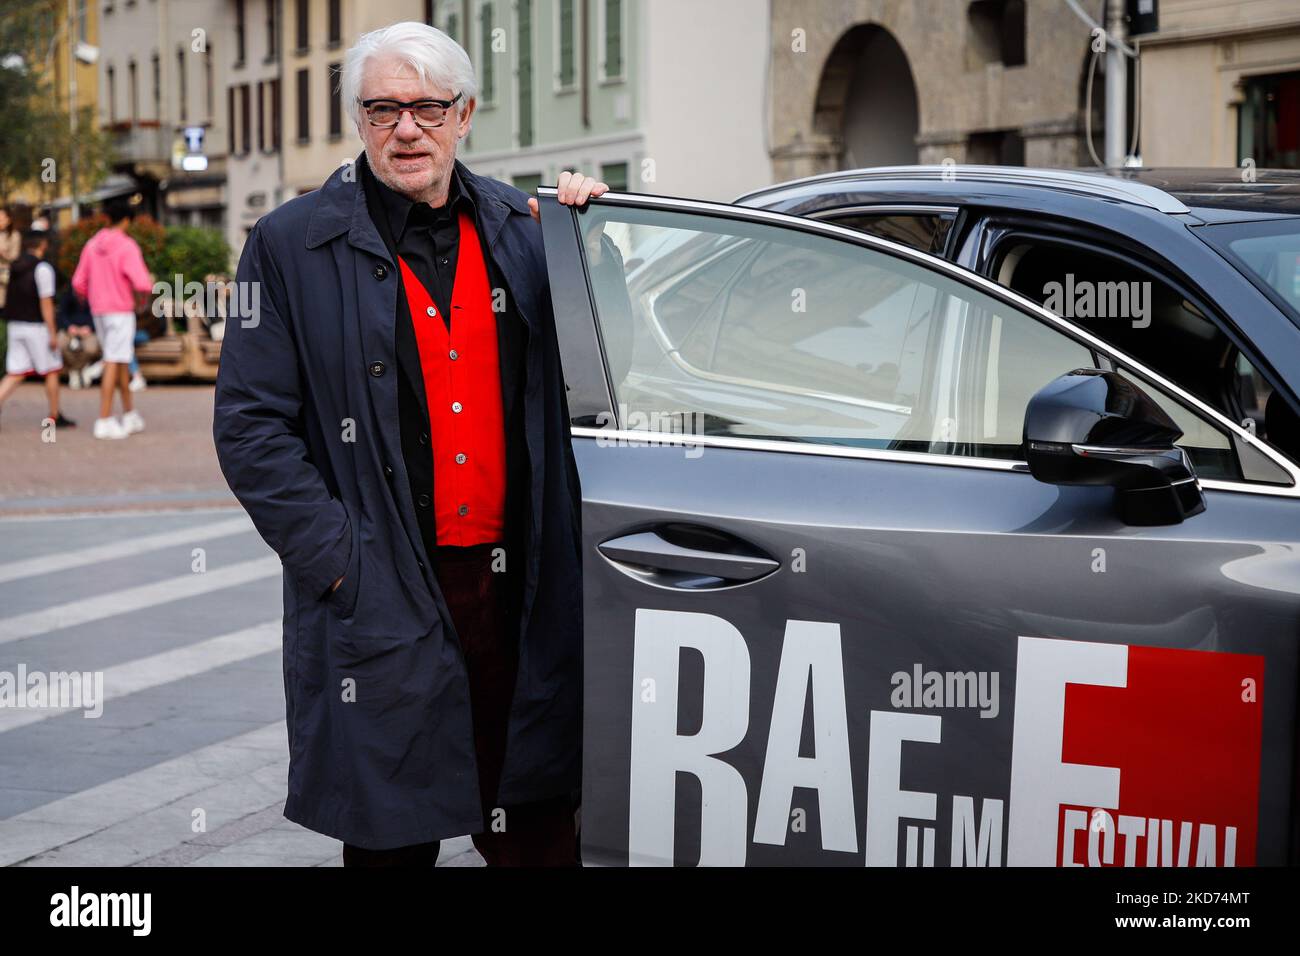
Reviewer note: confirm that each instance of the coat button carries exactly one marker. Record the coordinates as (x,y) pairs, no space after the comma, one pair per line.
(460,459)
(456,407)
(423,501)
(376,369)
(431,312)
(380,271)
(453,355)
(424,438)
(420,565)
(462,510)
(388,471)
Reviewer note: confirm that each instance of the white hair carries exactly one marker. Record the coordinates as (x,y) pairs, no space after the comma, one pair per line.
(435,57)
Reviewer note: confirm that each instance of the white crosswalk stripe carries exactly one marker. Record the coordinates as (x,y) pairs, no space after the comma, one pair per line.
(96,608)
(74,817)
(132,677)
(192,727)
(126,548)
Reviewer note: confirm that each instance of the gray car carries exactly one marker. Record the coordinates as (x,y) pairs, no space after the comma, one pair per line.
(888,564)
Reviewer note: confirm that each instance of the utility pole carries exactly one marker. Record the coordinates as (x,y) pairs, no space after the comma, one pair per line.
(72,105)
(1116,86)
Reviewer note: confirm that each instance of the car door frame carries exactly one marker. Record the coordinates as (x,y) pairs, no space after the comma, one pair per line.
(591,397)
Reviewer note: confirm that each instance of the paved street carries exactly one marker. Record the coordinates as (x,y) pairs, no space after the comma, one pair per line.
(170,464)
(178,608)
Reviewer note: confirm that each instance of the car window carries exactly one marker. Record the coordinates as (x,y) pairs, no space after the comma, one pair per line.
(1268,252)
(1134,309)
(1207,445)
(925,231)
(752,330)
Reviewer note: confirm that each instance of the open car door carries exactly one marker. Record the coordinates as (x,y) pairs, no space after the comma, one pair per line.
(831,616)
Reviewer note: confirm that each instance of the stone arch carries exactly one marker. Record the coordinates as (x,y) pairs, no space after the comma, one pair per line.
(866,108)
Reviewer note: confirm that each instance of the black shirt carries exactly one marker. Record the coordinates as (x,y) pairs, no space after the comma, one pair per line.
(428,238)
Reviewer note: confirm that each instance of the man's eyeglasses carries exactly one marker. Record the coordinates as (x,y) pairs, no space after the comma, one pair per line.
(388,113)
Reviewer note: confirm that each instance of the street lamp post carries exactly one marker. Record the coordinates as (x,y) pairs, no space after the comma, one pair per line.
(78,53)
(1116,86)
(72,107)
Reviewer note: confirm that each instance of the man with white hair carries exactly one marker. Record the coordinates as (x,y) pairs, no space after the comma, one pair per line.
(391,411)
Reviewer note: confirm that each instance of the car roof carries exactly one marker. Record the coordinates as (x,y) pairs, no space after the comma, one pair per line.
(1213,194)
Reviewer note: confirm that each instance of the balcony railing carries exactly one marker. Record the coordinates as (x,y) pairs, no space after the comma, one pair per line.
(140,142)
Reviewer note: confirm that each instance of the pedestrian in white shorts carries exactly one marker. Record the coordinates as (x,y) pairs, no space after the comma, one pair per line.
(112,275)
(33,339)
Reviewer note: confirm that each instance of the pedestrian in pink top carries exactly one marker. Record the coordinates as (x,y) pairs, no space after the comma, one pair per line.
(111,274)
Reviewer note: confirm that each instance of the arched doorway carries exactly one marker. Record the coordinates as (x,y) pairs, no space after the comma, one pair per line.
(866,100)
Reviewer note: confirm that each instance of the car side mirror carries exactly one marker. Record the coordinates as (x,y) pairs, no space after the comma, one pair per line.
(1091,427)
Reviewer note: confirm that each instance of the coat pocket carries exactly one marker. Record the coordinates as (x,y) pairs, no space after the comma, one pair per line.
(343,599)
(353,647)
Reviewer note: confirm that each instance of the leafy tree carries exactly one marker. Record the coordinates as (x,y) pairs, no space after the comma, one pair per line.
(35,125)
(21,92)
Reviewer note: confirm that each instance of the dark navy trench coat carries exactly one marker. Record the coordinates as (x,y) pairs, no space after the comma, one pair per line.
(306,430)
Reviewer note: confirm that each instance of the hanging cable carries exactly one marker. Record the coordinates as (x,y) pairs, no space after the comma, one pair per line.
(1137,105)
(1087,110)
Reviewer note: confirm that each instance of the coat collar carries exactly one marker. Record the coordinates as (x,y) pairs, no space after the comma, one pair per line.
(342,208)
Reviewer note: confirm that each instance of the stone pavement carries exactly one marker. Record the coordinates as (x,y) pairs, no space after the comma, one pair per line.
(172,463)
(178,609)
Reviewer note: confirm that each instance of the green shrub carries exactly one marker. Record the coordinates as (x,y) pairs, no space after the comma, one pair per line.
(192,252)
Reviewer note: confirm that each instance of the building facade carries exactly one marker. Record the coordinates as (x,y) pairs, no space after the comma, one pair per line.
(1221,84)
(160,76)
(288,128)
(254,104)
(883,82)
(618,89)
(614,88)
(319,133)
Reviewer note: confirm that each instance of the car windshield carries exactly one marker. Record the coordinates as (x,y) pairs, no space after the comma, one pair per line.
(1268,252)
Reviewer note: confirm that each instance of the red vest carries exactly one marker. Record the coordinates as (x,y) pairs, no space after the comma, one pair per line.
(462,385)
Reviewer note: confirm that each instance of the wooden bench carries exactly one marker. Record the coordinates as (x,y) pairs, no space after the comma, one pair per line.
(179,355)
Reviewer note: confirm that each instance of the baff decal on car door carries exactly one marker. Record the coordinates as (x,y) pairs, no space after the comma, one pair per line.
(1112,755)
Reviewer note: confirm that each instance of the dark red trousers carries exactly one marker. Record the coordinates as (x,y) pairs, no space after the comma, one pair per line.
(535,834)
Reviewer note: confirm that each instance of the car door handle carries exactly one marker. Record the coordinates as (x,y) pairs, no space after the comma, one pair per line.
(651,557)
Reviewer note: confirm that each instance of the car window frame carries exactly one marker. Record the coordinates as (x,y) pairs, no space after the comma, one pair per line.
(1218,236)
(1093,245)
(883,210)
(995,226)
(1000,230)
(582,338)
